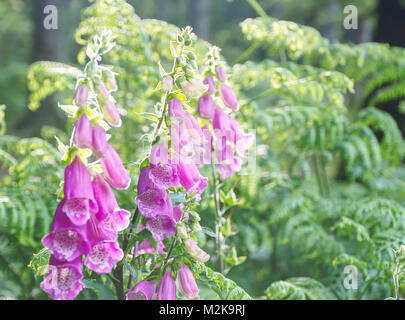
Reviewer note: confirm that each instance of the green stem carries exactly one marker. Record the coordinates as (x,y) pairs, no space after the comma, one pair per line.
(257,7)
(218,216)
(246,54)
(318,174)
(324,175)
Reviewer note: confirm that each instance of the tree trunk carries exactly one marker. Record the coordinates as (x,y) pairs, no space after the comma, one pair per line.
(200,17)
(391,23)
(45,47)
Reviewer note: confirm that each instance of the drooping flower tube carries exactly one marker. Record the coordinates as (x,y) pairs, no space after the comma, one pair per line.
(111,114)
(99,142)
(228,97)
(187,138)
(195,251)
(111,217)
(66,241)
(161,227)
(114,170)
(167,287)
(63,280)
(230,136)
(206,107)
(102,91)
(145,247)
(151,200)
(82,135)
(144,290)
(80,203)
(191,179)
(211,84)
(104,252)
(81,95)
(220,72)
(188,286)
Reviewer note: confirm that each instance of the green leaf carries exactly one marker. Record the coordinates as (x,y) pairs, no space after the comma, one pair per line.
(224,287)
(301,288)
(103,292)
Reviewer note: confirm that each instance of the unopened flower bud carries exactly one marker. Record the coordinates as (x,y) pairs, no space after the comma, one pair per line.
(82,95)
(191,55)
(111,83)
(167,287)
(196,227)
(221,75)
(167,84)
(199,85)
(99,142)
(82,135)
(144,290)
(102,91)
(228,97)
(182,231)
(206,107)
(188,286)
(111,114)
(189,90)
(195,251)
(211,84)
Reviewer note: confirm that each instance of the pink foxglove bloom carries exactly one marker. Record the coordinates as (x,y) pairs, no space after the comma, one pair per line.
(188,286)
(189,90)
(161,227)
(175,109)
(145,181)
(66,241)
(144,290)
(191,179)
(153,203)
(178,212)
(242,141)
(82,135)
(167,287)
(152,199)
(229,168)
(103,256)
(206,107)
(104,253)
(82,95)
(145,247)
(99,142)
(160,153)
(195,251)
(63,280)
(221,75)
(111,217)
(206,157)
(167,84)
(164,176)
(114,170)
(228,97)
(211,84)
(80,203)
(186,134)
(111,114)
